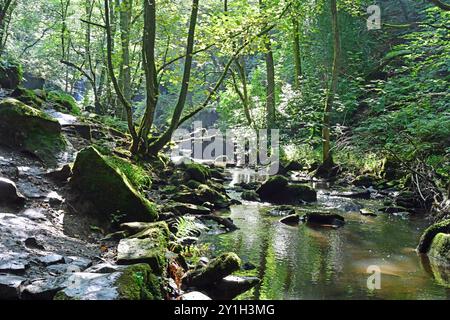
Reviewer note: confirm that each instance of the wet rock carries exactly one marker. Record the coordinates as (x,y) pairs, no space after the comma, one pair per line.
(105,267)
(203,194)
(324,219)
(215,271)
(83,130)
(364,181)
(250,195)
(231,286)
(121,285)
(188,208)
(393,209)
(281,211)
(187,241)
(278,190)
(226,222)
(367,212)
(132,251)
(440,248)
(61,174)
(80,262)
(365,194)
(9,193)
(10,286)
(248,266)
(248,185)
(27,96)
(32,243)
(194,296)
(135,227)
(429,234)
(51,259)
(14,267)
(30,130)
(43,289)
(291,220)
(98,179)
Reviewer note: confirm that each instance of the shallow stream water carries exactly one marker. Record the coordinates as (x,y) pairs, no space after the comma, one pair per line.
(301,262)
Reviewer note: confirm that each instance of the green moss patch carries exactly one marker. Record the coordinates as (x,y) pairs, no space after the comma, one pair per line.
(63,102)
(30,129)
(429,234)
(440,247)
(137,282)
(109,189)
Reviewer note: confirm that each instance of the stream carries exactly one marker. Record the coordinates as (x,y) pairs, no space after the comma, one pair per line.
(301,262)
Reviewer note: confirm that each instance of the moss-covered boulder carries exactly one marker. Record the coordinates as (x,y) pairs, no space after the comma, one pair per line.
(197,172)
(136,282)
(30,129)
(440,248)
(427,237)
(214,272)
(148,250)
(10,75)
(63,102)
(250,195)
(277,189)
(28,97)
(108,188)
(324,219)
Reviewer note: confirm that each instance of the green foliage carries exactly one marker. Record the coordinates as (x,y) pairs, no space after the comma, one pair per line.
(136,174)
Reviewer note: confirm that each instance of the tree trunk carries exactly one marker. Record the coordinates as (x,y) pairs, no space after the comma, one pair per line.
(4,8)
(126,10)
(327,158)
(149,69)
(270,88)
(297,56)
(167,135)
(126,104)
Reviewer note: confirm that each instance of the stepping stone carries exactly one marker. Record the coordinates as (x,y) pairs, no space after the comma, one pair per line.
(132,251)
(51,259)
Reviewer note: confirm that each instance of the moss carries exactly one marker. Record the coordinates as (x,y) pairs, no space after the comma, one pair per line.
(217,269)
(109,189)
(440,247)
(63,102)
(158,231)
(197,172)
(137,175)
(11,74)
(28,128)
(193,184)
(137,282)
(28,97)
(429,234)
(147,250)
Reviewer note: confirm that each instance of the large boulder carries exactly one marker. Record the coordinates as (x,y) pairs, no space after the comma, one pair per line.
(277,189)
(136,282)
(28,97)
(10,75)
(214,272)
(30,129)
(197,172)
(324,219)
(106,186)
(9,193)
(440,248)
(427,237)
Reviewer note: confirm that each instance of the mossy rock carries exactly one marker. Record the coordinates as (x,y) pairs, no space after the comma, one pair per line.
(108,188)
(197,172)
(148,250)
(63,102)
(136,282)
(324,218)
(427,237)
(250,195)
(216,270)
(31,130)
(28,97)
(10,75)
(440,248)
(278,190)
(366,180)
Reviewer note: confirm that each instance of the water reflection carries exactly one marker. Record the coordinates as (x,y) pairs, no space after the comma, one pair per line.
(324,263)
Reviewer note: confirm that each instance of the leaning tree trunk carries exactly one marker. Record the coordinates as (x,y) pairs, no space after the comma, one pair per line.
(149,67)
(327,159)
(167,135)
